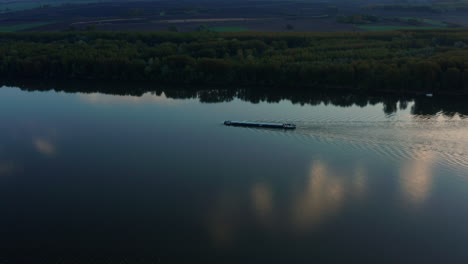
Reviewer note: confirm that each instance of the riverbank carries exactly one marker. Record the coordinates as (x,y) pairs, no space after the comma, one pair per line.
(410,61)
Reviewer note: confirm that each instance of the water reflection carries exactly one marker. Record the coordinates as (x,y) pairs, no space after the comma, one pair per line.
(262,201)
(360,181)
(150,97)
(313,201)
(150,183)
(323,196)
(417,178)
(44,146)
(225,218)
(316,201)
(391,103)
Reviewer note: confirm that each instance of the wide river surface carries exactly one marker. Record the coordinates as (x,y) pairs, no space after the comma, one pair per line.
(157,178)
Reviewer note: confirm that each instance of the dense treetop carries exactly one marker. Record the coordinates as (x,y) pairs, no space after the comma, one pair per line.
(412,60)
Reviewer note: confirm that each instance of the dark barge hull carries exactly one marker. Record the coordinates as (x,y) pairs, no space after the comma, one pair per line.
(262,125)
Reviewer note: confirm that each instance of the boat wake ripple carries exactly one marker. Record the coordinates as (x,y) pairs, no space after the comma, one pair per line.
(411,139)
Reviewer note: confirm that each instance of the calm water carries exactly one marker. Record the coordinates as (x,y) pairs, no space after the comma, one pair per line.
(157,178)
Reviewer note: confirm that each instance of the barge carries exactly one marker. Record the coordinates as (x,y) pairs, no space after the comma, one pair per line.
(262,125)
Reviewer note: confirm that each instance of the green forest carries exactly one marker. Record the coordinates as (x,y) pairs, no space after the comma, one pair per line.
(399,61)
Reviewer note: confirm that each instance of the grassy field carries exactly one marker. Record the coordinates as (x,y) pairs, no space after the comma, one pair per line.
(428,21)
(19,6)
(434,22)
(389,28)
(229,29)
(453,5)
(19,27)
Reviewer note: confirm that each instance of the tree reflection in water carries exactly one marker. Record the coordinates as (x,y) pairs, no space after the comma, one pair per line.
(447,105)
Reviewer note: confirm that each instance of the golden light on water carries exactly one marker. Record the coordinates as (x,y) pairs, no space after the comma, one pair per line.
(416,177)
(323,195)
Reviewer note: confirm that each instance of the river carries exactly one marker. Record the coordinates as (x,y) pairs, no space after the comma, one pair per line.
(155,177)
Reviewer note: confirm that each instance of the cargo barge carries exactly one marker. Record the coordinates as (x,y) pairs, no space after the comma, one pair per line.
(261,125)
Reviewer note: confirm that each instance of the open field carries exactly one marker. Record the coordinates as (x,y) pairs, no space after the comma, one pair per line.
(26,5)
(190,15)
(20,27)
(229,29)
(434,22)
(388,28)
(273,25)
(427,21)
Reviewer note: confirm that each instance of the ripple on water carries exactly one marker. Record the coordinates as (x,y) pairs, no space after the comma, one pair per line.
(395,139)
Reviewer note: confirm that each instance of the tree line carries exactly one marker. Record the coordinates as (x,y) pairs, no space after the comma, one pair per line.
(402,61)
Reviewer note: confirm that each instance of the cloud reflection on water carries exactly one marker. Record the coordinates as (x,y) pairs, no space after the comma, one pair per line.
(311,203)
(323,196)
(262,200)
(44,146)
(416,178)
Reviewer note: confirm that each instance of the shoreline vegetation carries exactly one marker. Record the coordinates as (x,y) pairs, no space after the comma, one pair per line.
(405,61)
